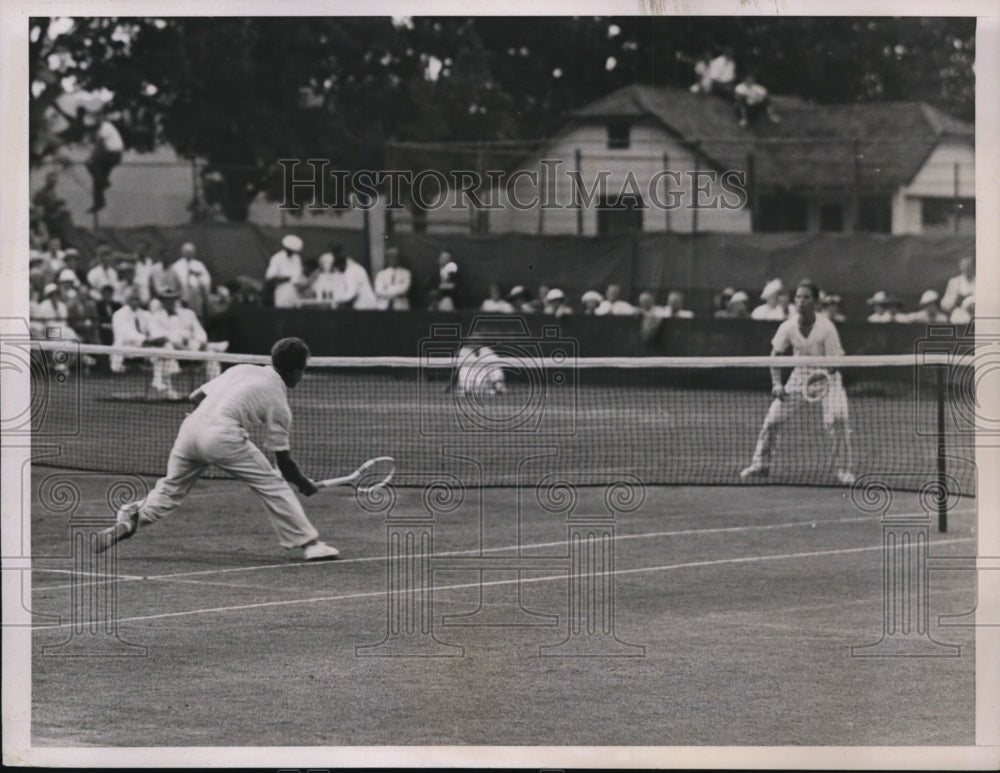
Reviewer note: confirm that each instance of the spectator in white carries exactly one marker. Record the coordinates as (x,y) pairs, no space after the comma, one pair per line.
(751,100)
(675,306)
(193,279)
(650,316)
(352,288)
(447,288)
(103,272)
(961,286)
(770,309)
(105,156)
(613,305)
(722,302)
(174,327)
(738,307)
(518,298)
(830,306)
(702,67)
(145,268)
(126,279)
(965,313)
(284,272)
(555,303)
(129,327)
(883,310)
(54,257)
(722,73)
(930,311)
(496,303)
(591,301)
(324,281)
(392,283)
(51,311)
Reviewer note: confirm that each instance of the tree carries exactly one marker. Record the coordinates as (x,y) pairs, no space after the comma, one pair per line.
(243,92)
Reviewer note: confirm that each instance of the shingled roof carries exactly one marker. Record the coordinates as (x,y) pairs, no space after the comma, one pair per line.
(811,148)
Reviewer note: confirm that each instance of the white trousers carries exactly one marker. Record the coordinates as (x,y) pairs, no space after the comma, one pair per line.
(199,446)
(835,417)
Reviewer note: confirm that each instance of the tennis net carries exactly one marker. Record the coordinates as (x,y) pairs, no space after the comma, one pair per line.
(509,418)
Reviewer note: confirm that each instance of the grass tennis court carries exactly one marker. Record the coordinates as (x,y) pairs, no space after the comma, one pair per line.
(746,600)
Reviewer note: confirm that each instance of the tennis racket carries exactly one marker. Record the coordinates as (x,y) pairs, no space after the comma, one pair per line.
(373,474)
(816,386)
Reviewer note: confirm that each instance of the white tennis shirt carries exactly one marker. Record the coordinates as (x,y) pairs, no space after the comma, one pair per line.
(822,341)
(246,396)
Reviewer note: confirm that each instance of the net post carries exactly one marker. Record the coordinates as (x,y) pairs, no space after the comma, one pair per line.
(942,477)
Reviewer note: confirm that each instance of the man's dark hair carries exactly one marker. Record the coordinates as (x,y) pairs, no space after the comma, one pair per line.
(289,354)
(813,288)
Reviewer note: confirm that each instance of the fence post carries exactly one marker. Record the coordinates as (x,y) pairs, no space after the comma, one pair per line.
(578,157)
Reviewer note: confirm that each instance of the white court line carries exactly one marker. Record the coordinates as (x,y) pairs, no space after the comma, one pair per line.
(548,578)
(475,551)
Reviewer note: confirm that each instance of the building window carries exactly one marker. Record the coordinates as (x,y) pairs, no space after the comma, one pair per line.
(831,217)
(619,134)
(948,215)
(781,212)
(875,214)
(620,214)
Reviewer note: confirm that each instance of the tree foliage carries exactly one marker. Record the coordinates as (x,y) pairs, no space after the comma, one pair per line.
(243,92)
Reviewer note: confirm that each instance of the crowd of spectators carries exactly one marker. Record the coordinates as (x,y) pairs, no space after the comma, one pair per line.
(127,299)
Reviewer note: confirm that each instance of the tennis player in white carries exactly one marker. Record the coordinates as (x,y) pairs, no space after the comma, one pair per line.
(215,433)
(809,334)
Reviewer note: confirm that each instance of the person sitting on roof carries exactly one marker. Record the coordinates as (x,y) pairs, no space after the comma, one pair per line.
(752,99)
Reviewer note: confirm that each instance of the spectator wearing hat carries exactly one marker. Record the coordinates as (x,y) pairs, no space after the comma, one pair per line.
(81,308)
(555,303)
(447,283)
(50,311)
(675,306)
(322,282)
(770,309)
(614,305)
(885,308)
(961,286)
(146,267)
(738,307)
(284,272)
(392,283)
(590,301)
(103,272)
(192,279)
(172,326)
(126,278)
(496,303)
(350,287)
(129,327)
(518,298)
(830,306)
(965,313)
(930,310)
(722,302)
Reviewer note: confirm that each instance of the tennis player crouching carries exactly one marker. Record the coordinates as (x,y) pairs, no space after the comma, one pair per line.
(215,433)
(814,335)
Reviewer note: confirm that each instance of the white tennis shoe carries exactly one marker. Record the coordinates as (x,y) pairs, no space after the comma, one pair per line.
(846,477)
(319,551)
(754,470)
(126,523)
